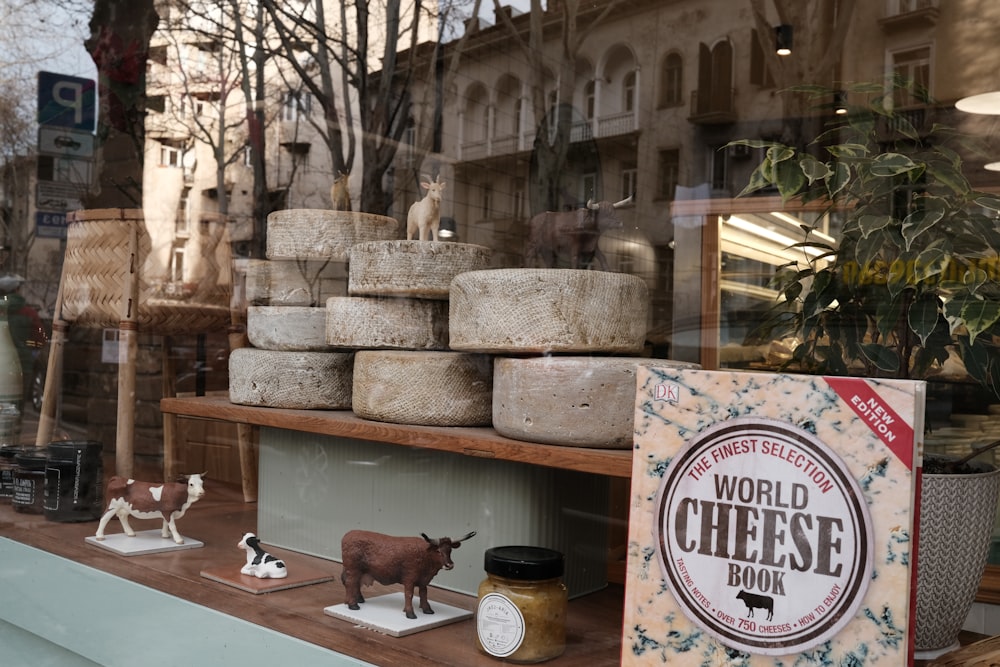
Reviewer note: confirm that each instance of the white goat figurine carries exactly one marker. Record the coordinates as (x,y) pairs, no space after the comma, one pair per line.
(261,564)
(424,216)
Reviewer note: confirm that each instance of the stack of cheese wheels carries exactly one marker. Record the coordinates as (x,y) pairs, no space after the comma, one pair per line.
(397,315)
(583,400)
(290,364)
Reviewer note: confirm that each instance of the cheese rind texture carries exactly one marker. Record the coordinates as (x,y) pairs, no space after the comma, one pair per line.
(284,379)
(419,269)
(312,233)
(547,310)
(360,322)
(573,401)
(423,388)
(283,282)
(287,328)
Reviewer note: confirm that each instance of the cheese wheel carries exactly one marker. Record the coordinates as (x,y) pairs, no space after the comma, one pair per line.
(292,283)
(283,379)
(547,310)
(574,401)
(386,323)
(311,233)
(419,269)
(287,328)
(424,388)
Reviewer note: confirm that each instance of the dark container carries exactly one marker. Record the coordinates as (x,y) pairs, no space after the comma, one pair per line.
(7,467)
(73,475)
(29,482)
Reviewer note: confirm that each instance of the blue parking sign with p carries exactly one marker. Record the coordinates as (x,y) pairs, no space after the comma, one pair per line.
(66,101)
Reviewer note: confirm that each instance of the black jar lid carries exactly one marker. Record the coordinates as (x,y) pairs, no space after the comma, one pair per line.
(9,452)
(524,563)
(32,459)
(67,449)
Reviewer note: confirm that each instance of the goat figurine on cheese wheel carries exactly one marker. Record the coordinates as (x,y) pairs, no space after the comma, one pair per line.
(424,216)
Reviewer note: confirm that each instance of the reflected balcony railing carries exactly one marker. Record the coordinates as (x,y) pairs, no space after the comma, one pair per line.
(611,125)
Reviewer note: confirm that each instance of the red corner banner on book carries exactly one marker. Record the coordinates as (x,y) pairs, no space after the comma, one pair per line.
(884,422)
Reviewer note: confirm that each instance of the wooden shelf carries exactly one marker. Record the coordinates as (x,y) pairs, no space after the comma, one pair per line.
(480,442)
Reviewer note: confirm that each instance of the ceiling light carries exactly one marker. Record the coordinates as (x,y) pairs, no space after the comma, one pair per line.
(985,103)
(783,39)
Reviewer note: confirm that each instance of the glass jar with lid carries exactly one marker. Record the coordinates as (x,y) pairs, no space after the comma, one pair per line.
(521,614)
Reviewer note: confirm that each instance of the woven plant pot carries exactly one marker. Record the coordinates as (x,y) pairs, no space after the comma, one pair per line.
(956,520)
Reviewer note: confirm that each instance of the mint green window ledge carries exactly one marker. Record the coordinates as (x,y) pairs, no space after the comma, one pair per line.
(57,612)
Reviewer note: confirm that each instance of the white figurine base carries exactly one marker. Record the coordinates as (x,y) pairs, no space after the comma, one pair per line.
(385,614)
(144,542)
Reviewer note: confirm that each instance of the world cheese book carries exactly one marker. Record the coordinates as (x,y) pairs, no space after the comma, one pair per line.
(772,519)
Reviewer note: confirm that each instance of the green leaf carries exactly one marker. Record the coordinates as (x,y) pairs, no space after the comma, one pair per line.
(813,169)
(841,177)
(872,223)
(880,356)
(779,153)
(988,201)
(891,164)
(931,262)
(752,143)
(900,275)
(974,279)
(789,178)
(979,315)
(847,151)
(758,180)
(923,315)
(887,315)
(920,221)
(949,175)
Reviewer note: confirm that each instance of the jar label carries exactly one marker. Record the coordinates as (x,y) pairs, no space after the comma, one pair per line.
(500,625)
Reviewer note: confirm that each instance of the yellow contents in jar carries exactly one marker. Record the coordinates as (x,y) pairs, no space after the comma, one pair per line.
(517,619)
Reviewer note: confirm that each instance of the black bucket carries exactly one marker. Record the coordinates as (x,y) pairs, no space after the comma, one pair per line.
(73,477)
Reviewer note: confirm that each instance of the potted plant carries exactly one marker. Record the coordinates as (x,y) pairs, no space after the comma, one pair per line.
(912,284)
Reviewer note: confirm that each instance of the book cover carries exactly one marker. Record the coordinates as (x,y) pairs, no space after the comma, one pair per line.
(772,519)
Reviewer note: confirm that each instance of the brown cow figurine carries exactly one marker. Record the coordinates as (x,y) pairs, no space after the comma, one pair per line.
(576,233)
(144,500)
(411,561)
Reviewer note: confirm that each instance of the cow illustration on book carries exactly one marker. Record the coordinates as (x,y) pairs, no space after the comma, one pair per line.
(754,601)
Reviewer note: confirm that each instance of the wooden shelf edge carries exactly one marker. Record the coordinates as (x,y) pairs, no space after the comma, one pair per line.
(481,442)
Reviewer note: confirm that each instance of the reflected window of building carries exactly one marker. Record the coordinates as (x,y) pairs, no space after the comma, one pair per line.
(668,173)
(672,80)
(911,70)
(628,91)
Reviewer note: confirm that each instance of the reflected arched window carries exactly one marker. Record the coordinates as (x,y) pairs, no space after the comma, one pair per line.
(628,91)
(715,79)
(671,80)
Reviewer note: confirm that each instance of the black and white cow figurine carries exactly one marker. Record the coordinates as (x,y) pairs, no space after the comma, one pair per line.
(144,500)
(261,564)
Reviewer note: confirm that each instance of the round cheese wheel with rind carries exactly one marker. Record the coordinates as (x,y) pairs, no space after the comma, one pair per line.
(283,379)
(423,388)
(312,233)
(419,269)
(285,282)
(380,323)
(547,310)
(287,328)
(569,400)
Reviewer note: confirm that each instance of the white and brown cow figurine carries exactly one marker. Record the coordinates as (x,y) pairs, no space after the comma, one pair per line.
(144,500)
(261,564)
